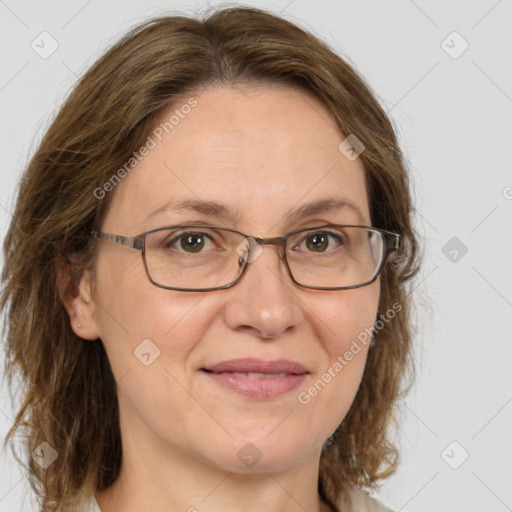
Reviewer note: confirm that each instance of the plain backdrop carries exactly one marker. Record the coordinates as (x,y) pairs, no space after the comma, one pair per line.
(443,72)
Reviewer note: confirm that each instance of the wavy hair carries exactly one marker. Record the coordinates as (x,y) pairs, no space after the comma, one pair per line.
(68,390)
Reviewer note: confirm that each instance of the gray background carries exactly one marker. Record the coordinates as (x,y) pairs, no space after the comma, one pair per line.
(452,111)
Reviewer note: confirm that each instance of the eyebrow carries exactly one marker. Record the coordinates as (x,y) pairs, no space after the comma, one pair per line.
(220,210)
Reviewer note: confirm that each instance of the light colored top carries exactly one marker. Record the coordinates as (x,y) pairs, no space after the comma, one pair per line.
(357,501)
(89,505)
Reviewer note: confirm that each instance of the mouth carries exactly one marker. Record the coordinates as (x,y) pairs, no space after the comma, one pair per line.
(253,375)
(257,379)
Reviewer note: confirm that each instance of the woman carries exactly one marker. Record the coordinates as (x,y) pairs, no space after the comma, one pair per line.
(205,280)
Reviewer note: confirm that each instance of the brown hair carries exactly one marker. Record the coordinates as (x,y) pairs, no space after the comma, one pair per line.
(69,392)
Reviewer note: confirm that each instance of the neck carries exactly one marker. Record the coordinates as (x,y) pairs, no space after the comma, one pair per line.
(179,483)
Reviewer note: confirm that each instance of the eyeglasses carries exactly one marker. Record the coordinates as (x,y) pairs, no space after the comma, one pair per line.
(205,258)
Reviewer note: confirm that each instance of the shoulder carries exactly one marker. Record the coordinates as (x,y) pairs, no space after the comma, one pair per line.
(357,500)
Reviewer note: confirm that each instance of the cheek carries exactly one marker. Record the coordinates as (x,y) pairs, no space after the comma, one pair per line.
(148,333)
(346,334)
(136,318)
(349,317)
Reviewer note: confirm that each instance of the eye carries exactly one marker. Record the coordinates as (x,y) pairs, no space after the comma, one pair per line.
(191,242)
(321,241)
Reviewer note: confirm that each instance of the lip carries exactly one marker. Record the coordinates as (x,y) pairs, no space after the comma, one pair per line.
(257,366)
(234,375)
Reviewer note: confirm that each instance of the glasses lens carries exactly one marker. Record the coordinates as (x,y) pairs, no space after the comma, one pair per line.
(335,256)
(194,258)
(201,257)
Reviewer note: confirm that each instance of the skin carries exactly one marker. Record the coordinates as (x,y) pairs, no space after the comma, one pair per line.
(265,151)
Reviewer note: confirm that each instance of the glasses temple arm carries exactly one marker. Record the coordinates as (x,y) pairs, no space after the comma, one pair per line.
(393,242)
(132,242)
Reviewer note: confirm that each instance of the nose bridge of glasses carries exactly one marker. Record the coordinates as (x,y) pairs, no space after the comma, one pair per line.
(251,249)
(279,241)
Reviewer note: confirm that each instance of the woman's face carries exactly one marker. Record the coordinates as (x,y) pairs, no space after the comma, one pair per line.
(264,153)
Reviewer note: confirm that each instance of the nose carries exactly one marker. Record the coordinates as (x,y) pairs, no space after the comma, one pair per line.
(265,301)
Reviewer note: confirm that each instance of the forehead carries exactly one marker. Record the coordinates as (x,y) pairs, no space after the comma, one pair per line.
(262,152)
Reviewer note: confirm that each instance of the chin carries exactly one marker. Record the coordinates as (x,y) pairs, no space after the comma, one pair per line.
(258,454)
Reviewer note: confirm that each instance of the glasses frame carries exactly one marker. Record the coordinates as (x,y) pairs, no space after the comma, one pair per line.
(391,245)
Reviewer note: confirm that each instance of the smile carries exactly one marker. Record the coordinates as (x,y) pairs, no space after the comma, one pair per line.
(256,379)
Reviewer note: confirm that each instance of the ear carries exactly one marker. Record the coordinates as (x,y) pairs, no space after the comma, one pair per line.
(77,298)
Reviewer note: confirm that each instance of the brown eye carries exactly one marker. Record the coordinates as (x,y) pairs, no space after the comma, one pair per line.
(317,242)
(322,241)
(190,242)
